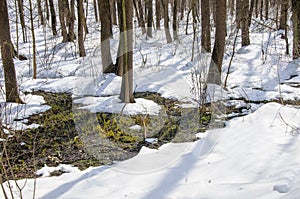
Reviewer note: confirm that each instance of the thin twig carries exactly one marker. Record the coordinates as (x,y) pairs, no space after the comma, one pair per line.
(231,59)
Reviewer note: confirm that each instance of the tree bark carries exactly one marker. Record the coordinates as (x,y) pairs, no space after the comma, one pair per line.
(40,12)
(11,88)
(113,12)
(53,18)
(175,25)
(166,20)
(71,22)
(205,26)
(239,13)
(142,17)
(267,9)
(296,28)
(158,13)
(214,74)
(62,20)
(231,6)
(33,40)
(256,9)
(126,94)
(107,63)
(261,9)
(22,20)
(251,12)
(95,10)
(182,9)
(80,28)
(245,23)
(47,10)
(283,14)
(149,18)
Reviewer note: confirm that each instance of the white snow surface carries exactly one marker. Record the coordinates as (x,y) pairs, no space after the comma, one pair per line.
(256,156)
(14,115)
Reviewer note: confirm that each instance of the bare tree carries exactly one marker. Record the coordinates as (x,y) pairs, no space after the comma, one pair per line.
(149,18)
(71,21)
(283,14)
(141,16)
(175,25)
(231,7)
(266,9)
(80,14)
(33,40)
(166,20)
(95,5)
(256,8)
(62,19)
(113,12)
(283,23)
(125,54)
(107,63)
(11,88)
(245,23)
(239,14)
(158,13)
(40,12)
(205,26)
(53,17)
(296,28)
(22,20)
(214,74)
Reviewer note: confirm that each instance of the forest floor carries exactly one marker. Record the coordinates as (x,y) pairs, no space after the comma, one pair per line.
(242,140)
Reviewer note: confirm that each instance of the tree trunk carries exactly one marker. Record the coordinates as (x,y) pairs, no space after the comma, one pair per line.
(182,9)
(158,13)
(256,9)
(113,12)
(283,14)
(95,10)
(47,10)
(107,64)
(205,26)
(267,9)
(175,25)
(80,15)
(62,20)
(11,88)
(40,12)
(71,22)
(149,18)
(33,40)
(141,16)
(126,37)
(296,28)
(261,9)
(214,11)
(166,21)
(239,13)
(245,23)
(53,17)
(251,12)
(214,74)
(231,7)
(22,20)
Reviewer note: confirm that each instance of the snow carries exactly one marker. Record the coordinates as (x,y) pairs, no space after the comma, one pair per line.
(257,155)
(46,171)
(14,115)
(113,105)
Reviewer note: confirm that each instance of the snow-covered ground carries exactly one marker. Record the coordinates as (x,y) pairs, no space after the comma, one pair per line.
(254,156)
